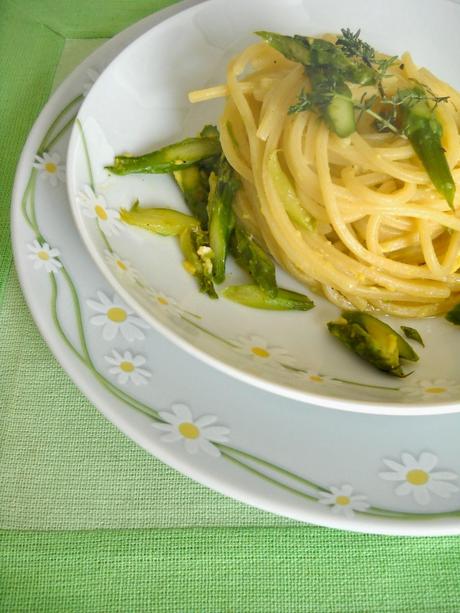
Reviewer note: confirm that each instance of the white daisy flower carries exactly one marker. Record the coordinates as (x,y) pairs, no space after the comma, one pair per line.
(417,477)
(259,350)
(92,77)
(121,266)
(342,500)
(196,435)
(310,376)
(165,302)
(95,207)
(127,367)
(50,167)
(44,256)
(432,389)
(115,317)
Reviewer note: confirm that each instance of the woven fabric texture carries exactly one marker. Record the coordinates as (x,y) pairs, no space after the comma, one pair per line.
(260,570)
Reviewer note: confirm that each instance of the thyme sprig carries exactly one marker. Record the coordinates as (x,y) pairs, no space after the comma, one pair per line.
(357,49)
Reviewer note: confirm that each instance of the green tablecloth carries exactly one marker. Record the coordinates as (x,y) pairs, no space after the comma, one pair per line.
(89,521)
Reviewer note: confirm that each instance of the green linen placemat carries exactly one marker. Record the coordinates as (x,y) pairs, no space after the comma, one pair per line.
(262,570)
(89,521)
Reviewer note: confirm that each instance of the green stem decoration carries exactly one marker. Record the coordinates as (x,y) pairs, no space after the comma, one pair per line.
(273,467)
(104,237)
(24,201)
(45,144)
(377,387)
(265,477)
(208,332)
(87,157)
(62,131)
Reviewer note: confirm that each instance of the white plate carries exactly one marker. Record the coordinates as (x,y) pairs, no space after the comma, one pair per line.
(140,103)
(280,455)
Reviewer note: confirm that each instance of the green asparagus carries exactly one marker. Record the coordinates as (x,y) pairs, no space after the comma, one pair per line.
(168,159)
(413,334)
(166,222)
(373,340)
(255,297)
(223,187)
(252,258)
(194,184)
(198,258)
(422,127)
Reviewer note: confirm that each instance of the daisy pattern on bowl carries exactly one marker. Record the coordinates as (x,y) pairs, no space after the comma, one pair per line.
(343,501)
(115,317)
(50,167)
(94,206)
(43,256)
(196,435)
(432,389)
(310,376)
(259,350)
(416,477)
(92,76)
(168,303)
(128,367)
(121,266)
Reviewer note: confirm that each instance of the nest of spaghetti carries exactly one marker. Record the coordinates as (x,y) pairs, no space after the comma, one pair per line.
(354,212)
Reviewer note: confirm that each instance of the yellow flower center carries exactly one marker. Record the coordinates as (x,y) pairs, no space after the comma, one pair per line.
(435,390)
(50,167)
(162,300)
(43,255)
(260,352)
(100,212)
(342,500)
(189,430)
(120,263)
(316,378)
(116,314)
(416,476)
(127,366)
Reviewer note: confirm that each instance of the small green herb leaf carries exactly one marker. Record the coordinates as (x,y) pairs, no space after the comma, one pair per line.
(413,334)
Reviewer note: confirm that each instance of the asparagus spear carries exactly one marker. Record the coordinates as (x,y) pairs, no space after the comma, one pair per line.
(223,186)
(319,53)
(352,335)
(255,297)
(294,48)
(194,184)
(252,258)
(422,128)
(328,68)
(380,330)
(194,180)
(166,222)
(373,340)
(198,259)
(168,159)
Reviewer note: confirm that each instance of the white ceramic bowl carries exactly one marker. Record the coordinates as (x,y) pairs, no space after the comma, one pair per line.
(140,103)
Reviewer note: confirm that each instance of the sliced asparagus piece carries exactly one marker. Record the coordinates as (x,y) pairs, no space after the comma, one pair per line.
(255,297)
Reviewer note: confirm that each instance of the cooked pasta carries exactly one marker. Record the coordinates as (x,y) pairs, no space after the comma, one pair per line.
(381,236)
